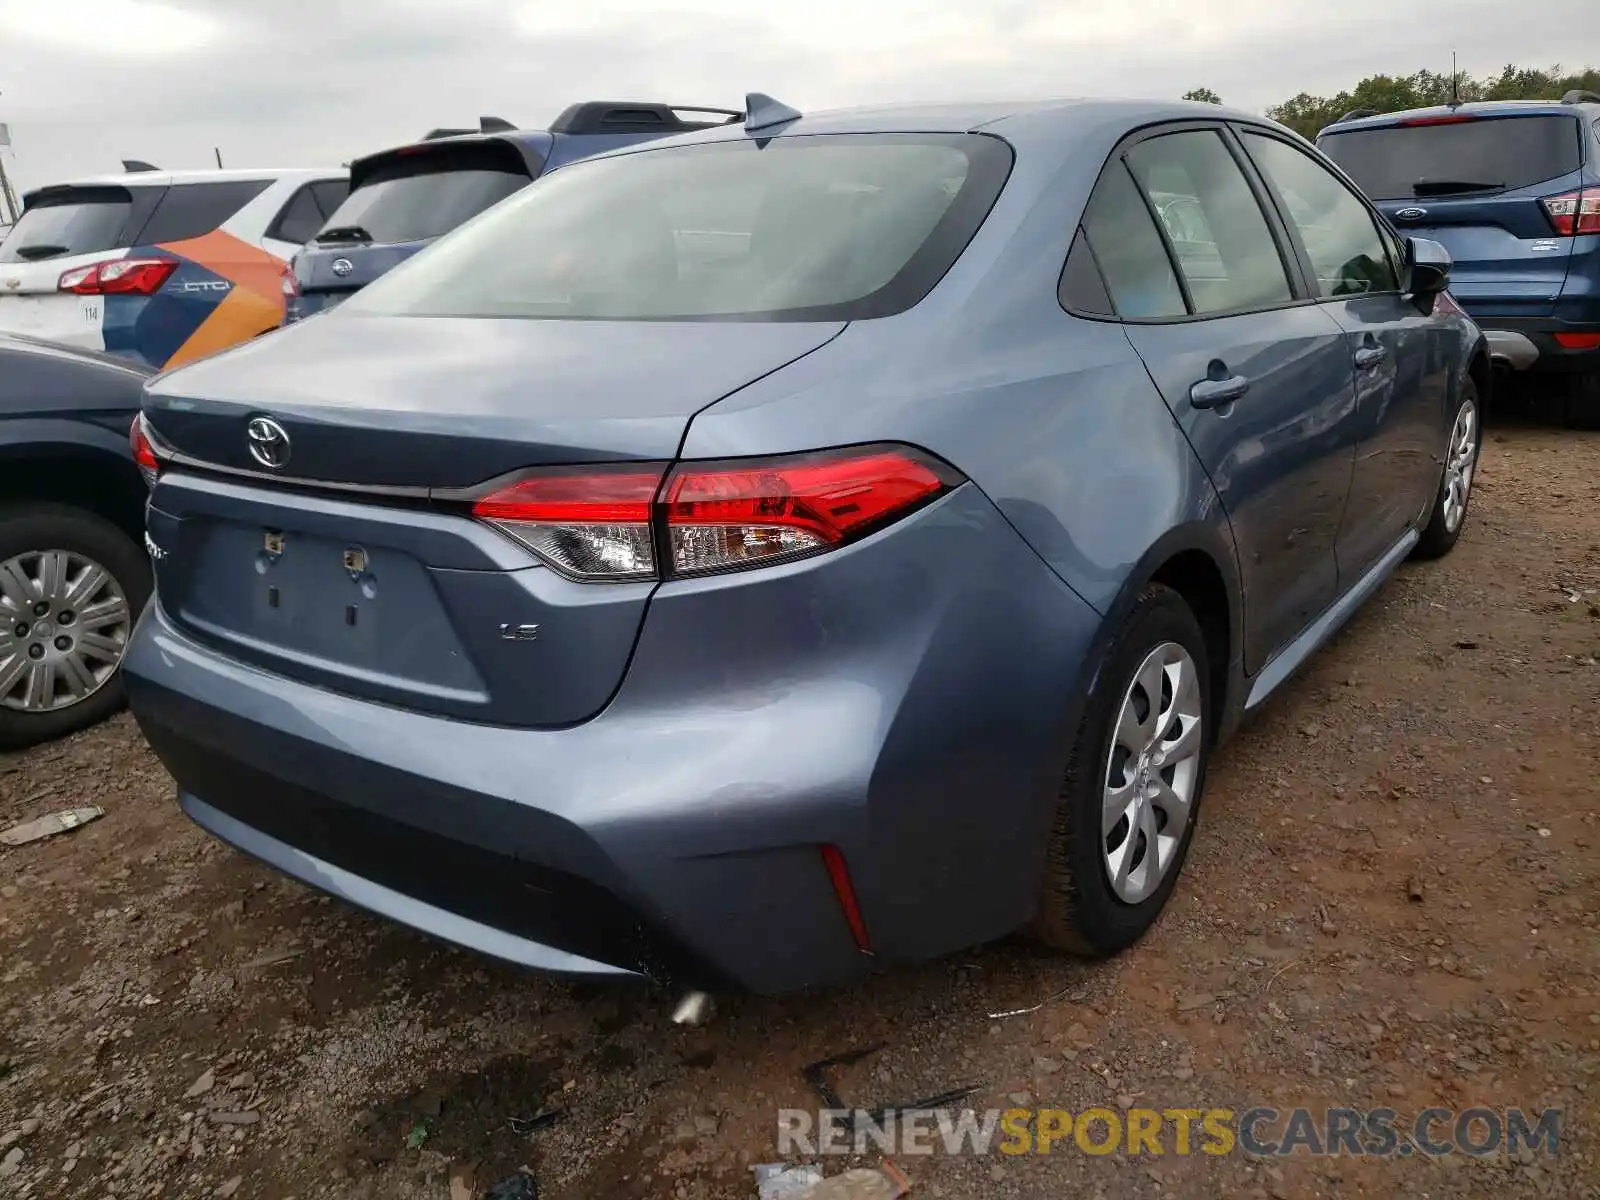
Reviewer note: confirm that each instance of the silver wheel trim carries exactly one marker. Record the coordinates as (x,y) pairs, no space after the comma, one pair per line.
(64,627)
(1151,772)
(1461,463)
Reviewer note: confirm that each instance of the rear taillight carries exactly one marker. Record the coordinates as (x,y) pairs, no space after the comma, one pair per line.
(1578,341)
(1573,213)
(592,524)
(606,523)
(144,451)
(1445,303)
(124,277)
(1452,119)
(735,515)
(288,283)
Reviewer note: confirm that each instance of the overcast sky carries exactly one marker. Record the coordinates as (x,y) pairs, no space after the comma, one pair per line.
(84,83)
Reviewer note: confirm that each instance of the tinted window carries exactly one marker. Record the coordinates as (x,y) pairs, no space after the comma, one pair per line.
(299,219)
(69,221)
(1224,246)
(1407,161)
(426,195)
(1082,289)
(1137,271)
(330,193)
(1347,252)
(191,210)
(806,228)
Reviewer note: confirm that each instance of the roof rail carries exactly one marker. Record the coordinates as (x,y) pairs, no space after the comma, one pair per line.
(1579,96)
(1357,114)
(137,166)
(763,112)
(624,116)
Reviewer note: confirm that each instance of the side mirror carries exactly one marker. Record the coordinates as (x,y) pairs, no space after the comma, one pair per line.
(1427,270)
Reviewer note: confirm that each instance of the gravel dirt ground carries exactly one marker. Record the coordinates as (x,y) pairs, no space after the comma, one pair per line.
(181,1022)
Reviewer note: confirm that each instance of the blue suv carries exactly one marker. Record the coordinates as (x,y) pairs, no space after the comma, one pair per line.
(1512,190)
(403,198)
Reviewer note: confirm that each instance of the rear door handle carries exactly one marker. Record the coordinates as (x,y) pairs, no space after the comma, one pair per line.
(1370,356)
(1212,393)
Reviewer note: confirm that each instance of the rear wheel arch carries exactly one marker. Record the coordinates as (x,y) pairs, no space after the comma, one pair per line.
(1198,562)
(81,476)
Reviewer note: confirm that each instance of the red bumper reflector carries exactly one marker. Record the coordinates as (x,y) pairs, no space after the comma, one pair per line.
(839,873)
(1578,341)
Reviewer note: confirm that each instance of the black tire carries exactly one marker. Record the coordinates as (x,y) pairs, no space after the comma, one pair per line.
(1438,538)
(1583,401)
(34,527)
(1079,910)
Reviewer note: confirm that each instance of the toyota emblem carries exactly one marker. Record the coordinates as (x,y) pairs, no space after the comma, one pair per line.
(269,443)
(342,267)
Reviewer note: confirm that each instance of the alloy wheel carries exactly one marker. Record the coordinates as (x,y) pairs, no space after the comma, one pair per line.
(64,627)
(1152,772)
(1460,466)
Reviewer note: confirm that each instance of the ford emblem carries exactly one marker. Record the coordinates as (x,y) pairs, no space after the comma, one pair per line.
(1405,214)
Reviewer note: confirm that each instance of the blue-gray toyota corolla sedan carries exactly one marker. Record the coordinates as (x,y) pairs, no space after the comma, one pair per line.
(800,546)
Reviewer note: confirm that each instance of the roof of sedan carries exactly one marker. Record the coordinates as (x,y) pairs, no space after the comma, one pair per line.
(1042,116)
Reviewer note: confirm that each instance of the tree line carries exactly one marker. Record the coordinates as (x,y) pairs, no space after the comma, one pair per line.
(1307,115)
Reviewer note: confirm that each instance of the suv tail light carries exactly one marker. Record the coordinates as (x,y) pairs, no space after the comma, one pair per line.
(288,283)
(1573,213)
(144,451)
(122,277)
(607,523)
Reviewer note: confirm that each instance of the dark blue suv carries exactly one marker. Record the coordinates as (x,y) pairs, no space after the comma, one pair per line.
(402,199)
(1512,190)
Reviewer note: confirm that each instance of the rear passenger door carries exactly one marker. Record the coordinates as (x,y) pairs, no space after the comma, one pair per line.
(1401,356)
(1258,379)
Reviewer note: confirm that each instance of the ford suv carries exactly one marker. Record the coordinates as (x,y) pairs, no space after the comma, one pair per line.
(1512,190)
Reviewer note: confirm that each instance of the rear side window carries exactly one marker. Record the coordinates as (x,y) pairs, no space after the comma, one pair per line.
(823,228)
(330,193)
(1403,162)
(414,196)
(1342,240)
(1224,246)
(299,219)
(66,221)
(1126,244)
(191,210)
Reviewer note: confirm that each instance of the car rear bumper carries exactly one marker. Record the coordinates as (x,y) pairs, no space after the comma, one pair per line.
(1529,344)
(904,700)
(65,319)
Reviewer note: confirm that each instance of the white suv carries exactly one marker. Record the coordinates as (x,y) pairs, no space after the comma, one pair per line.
(156,266)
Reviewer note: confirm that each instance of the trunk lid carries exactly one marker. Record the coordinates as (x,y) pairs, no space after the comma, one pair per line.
(394,594)
(1476,184)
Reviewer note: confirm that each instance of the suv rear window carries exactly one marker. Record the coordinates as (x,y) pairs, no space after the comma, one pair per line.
(827,228)
(1494,154)
(67,221)
(425,193)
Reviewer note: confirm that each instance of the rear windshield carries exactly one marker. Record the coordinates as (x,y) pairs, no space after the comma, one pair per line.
(797,228)
(1403,162)
(424,195)
(69,221)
